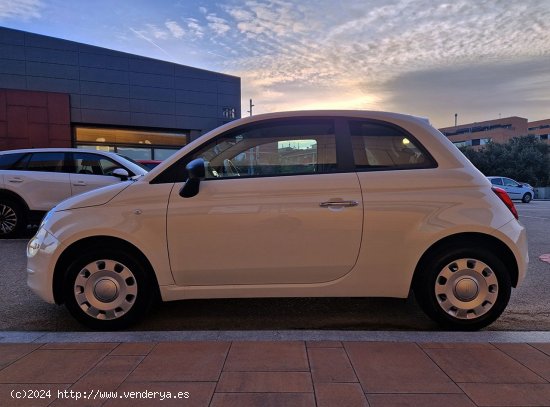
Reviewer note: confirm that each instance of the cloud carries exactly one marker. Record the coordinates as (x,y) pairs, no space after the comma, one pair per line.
(217,24)
(359,50)
(175,29)
(272,17)
(368,54)
(20,9)
(195,28)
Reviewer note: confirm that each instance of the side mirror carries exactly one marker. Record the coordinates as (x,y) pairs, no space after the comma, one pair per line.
(121,173)
(196,172)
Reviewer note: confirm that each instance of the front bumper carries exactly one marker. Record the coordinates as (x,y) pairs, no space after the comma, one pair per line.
(43,251)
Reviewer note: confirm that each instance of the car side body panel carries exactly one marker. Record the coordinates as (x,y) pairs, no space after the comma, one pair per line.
(274,230)
(40,190)
(143,225)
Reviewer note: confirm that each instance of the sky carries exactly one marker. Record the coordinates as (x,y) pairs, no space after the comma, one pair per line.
(480,59)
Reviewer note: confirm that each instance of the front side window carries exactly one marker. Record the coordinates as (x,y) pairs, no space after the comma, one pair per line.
(377,146)
(510,183)
(94,164)
(304,147)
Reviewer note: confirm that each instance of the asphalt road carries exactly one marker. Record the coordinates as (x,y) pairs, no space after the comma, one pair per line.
(529,308)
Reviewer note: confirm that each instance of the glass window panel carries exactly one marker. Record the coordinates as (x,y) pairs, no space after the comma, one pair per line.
(163,153)
(96,148)
(94,164)
(275,149)
(7,160)
(379,146)
(48,162)
(120,136)
(135,153)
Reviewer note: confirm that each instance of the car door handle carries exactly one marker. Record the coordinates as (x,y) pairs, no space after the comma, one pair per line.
(79,184)
(15,180)
(338,204)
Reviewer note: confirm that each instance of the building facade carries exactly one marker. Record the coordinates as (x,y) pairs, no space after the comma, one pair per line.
(59,93)
(498,131)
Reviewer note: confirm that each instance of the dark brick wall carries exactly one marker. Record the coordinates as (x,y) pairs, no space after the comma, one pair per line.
(34,119)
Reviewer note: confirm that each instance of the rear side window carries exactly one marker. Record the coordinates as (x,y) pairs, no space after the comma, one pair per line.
(8,160)
(46,162)
(496,181)
(378,146)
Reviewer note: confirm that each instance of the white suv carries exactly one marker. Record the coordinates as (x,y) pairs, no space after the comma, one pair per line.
(313,204)
(33,181)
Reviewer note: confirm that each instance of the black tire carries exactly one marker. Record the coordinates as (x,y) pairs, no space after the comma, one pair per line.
(134,289)
(526,198)
(438,288)
(12,219)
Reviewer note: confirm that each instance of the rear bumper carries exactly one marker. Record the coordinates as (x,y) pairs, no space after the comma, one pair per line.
(515,237)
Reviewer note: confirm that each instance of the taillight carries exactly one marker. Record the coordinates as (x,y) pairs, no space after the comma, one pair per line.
(501,193)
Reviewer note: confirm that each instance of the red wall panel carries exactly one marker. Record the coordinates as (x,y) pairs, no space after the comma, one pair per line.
(30,119)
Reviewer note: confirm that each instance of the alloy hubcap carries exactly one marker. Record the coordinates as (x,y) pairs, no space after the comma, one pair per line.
(8,219)
(466,288)
(105,289)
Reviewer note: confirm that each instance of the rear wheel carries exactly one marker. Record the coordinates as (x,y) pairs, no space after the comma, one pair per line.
(463,289)
(526,198)
(107,290)
(12,218)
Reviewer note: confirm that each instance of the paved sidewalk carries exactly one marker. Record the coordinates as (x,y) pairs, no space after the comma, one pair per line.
(275,373)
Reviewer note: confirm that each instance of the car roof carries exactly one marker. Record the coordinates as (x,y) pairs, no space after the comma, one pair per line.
(53,149)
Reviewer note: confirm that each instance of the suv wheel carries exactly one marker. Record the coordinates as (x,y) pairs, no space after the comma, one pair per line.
(107,290)
(12,218)
(463,289)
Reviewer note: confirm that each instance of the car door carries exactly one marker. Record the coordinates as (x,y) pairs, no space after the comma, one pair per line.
(274,209)
(92,171)
(41,178)
(512,188)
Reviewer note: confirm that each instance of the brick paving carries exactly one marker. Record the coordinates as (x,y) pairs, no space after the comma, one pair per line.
(275,373)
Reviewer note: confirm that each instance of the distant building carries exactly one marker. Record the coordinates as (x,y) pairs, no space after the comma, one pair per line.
(498,131)
(58,93)
(541,129)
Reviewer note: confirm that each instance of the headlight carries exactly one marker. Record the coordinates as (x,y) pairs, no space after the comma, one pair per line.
(36,242)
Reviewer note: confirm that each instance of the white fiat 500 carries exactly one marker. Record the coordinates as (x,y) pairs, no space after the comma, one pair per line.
(295,204)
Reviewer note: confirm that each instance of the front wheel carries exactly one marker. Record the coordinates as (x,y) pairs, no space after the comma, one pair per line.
(463,289)
(526,198)
(107,290)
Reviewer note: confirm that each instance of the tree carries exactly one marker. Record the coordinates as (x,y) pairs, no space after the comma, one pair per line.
(525,159)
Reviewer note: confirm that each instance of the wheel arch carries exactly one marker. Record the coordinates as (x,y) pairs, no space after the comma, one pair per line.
(7,194)
(67,257)
(472,239)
